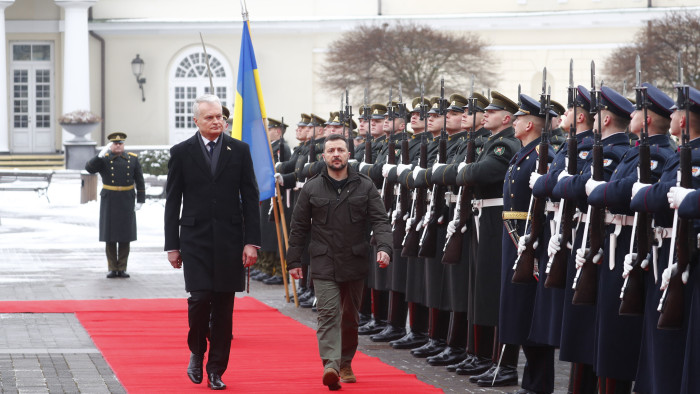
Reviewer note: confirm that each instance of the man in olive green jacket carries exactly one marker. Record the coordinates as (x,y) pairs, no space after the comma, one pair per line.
(337,208)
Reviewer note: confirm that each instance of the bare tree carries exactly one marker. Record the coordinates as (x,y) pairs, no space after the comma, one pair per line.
(658,45)
(379,57)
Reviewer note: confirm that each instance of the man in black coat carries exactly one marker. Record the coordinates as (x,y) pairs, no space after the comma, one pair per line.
(121,174)
(211,176)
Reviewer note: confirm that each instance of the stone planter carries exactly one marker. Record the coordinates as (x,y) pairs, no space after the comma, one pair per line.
(79,130)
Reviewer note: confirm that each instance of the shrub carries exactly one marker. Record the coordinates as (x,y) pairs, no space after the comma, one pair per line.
(154,162)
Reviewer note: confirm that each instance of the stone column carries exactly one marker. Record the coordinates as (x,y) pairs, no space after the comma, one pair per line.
(4,94)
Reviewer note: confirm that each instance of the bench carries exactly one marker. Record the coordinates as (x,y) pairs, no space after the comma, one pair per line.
(19,180)
(155,186)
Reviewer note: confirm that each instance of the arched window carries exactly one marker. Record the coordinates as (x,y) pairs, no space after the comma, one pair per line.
(188,79)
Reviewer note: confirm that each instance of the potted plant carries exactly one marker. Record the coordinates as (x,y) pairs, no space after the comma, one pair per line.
(79,123)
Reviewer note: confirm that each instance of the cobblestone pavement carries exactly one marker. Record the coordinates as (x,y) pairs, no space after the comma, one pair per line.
(52,352)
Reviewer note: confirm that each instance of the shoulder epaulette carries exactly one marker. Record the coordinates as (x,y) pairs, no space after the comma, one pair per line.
(133,154)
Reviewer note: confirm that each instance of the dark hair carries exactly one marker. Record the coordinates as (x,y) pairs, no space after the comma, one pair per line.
(335,137)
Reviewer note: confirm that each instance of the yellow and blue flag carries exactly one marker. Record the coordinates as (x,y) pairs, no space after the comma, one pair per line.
(249,117)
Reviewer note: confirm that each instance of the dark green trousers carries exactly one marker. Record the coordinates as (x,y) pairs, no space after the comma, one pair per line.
(117,256)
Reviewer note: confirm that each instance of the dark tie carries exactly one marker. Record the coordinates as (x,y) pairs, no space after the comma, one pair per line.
(210,148)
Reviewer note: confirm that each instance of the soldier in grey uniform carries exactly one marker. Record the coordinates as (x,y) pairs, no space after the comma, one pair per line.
(123,192)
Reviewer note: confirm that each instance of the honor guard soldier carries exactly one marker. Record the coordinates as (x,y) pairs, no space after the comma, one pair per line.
(123,193)
(268,254)
(486,175)
(619,336)
(557,137)
(662,356)
(517,301)
(578,320)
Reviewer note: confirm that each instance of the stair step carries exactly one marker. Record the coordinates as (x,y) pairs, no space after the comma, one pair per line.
(33,161)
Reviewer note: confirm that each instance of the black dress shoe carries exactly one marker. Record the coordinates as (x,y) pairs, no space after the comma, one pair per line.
(364,319)
(261,277)
(305,296)
(371,328)
(507,376)
(488,374)
(410,341)
(123,274)
(451,355)
(194,369)
(112,274)
(389,333)
(214,382)
(275,280)
(477,366)
(308,303)
(461,364)
(254,272)
(433,347)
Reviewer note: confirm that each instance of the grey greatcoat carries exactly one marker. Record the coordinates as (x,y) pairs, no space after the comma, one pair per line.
(123,183)
(220,212)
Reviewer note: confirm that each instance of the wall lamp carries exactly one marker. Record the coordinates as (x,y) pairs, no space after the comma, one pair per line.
(137,68)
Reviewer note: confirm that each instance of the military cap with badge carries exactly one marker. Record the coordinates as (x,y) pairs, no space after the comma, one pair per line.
(499,102)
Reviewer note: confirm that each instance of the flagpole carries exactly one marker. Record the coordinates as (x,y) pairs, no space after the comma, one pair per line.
(277,203)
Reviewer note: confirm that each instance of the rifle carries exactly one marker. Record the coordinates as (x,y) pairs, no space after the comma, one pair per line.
(586,280)
(412,239)
(387,189)
(525,263)
(348,120)
(367,115)
(632,293)
(672,300)
(399,228)
(564,219)
(463,210)
(428,242)
(312,143)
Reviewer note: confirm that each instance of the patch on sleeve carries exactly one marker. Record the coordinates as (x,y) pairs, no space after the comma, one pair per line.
(499,150)
(478,151)
(696,170)
(607,162)
(654,164)
(583,154)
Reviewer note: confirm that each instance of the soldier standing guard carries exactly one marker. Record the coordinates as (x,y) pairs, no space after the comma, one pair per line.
(121,173)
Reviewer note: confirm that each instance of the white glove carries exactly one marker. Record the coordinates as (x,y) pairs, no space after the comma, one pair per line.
(137,206)
(409,223)
(279,179)
(278,165)
(386,168)
(554,245)
(627,264)
(637,187)
(306,166)
(363,165)
(104,150)
(524,240)
(402,167)
(581,257)
(461,166)
(668,272)
(591,185)
(452,228)
(394,214)
(416,172)
(533,178)
(676,196)
(563,175)
(436,166)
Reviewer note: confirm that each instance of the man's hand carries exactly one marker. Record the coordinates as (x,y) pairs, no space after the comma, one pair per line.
(629,264)
(383,259)
(386,168)
(461,166)
(591,185)
(436,166)
(279,179)
(637,187)
(523,241)
(363,165)
(175,259)
(296,273)
(533,178)
(554,245)
(137,206)
(563,175)
(104,150)
(676,196)
(250,255)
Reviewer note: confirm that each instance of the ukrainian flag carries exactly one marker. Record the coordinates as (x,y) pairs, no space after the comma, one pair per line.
(249,117)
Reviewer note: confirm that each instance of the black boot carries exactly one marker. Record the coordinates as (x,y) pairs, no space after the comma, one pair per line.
(396,328)
(418,321)
(457,333)
(437,327)
(507,374)
(380,307)
(477,366)
(411,340)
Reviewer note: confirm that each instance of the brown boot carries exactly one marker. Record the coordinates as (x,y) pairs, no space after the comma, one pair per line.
(346,375)
(330,379)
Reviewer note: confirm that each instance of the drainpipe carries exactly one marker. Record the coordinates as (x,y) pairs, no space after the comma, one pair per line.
(102,78)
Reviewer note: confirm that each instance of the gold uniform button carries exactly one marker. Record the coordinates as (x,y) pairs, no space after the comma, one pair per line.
(111,168)
(513,181)
(511,195)
(112,180)
(127,174)
(112,174)
(518,168)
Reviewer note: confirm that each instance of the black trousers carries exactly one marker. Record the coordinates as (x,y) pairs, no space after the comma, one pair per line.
(539,369)
(204,306)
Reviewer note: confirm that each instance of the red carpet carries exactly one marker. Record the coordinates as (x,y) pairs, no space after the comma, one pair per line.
(145,343)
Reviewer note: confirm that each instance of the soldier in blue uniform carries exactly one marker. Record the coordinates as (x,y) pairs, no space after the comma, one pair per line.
(486,175)
(661,357)
(122,183)
(578,321)
(618,337)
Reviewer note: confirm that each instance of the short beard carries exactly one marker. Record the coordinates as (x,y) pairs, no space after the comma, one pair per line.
(339,168)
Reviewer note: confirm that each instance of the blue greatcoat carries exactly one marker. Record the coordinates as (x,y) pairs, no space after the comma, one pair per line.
(618,337)
(578,321)
(662,353)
